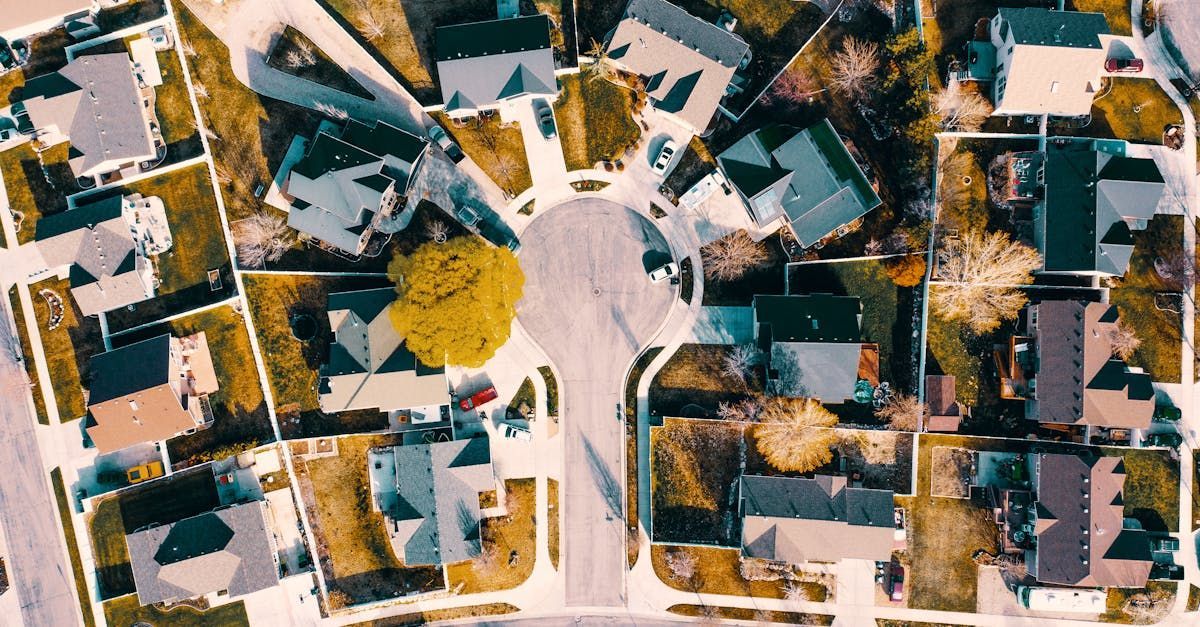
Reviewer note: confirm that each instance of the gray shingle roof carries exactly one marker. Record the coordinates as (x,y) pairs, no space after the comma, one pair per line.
(128,369)
(226,549)
(1043,27)
(481,63)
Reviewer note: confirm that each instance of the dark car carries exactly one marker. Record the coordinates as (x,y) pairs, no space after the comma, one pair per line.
(1171,572)
(1169,440)
(545,118)
(895,582)
(1124,65)
(1166,413)
(1165,544)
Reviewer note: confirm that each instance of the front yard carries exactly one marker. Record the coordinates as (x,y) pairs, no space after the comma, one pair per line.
(692,383)
(127,611)
(498,149)
(694,470)
(291,364)
(30,195)
(239,407)
(595,121)
(718,571)
(352,543)
(1143,300)
(1136,109)
(107,531)
(509,546)
(67,348)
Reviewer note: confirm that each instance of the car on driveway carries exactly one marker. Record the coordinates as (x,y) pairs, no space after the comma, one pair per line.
(439,136)
(665,154)
(515,432)
(467,215)
(1124,65)
(664,272)
(1169,440)
(145,472)
(479,398)
(545,118)
(895,582)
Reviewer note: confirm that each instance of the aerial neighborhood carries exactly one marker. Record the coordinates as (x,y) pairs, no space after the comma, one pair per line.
(332,312)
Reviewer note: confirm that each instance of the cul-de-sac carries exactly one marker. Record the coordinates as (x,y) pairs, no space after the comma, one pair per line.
(862,313)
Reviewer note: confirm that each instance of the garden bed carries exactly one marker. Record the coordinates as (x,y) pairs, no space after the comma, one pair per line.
(68,348)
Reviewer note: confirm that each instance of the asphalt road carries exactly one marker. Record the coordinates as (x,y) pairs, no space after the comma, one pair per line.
(36,555)
(1182,29)
(590,305)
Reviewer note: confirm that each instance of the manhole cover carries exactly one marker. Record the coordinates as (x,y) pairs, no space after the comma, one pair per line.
(595,291)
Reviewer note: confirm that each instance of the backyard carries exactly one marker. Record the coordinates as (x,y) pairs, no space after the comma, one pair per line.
(718,571)
(68,348)
(693,383)
(254,132)
(595,121)
(352,543)
(694,470)
(127,611)
(495,147)
(503,537)
(239,407)
(1140,298)
(291,364)
(173,106)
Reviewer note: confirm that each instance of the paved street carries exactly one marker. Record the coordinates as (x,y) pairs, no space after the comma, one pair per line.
(585,263)
(36,556)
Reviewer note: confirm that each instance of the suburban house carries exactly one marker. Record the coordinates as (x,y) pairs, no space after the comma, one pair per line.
(150,391)
(1064,368)
(944,412)
(429,497)
(29,17)
(1040,61)
(482,64)
(97,104)
(805,180)
(818,519)
(813,346)
(228,551)
(104,247)
(1072,528)
(688,65)
(1094,197)
(369,366)
(350,182)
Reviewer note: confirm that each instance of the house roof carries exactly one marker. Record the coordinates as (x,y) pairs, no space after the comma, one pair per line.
(1092,196)
(130,369)
(1065,29)
(1079,379)
(95,101)
(688,63)
(106,270)
(824,370)
(369,366)
(19,14)
(434,515)
(797,519)
(1081,537)
(134,395)
(945,412)
(226,549)
(807,176)
(808,318)
(481,63)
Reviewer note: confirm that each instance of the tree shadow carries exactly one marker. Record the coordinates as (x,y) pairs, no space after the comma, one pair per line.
(606,482)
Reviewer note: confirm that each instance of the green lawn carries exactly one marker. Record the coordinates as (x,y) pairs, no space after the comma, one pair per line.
(239,408)
(594,120)
(513,533)
(1159,331)
(1151,488)
(65,509)
(292,365)
(176,119)
(126,611)
(254,131)
(68,348)
(1114,115)
(39,401)
(107,531)
(497,149)
(199,240)
(29,194)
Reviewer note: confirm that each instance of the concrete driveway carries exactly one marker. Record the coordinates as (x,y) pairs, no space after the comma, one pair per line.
(591,307)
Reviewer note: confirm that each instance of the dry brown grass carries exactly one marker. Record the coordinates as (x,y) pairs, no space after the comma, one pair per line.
(951,471)
(502,537)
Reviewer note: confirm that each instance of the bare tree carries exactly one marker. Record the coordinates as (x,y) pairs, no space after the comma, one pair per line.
(855,66)
(903,413)
(331,111)
(737,362)
(261,238)
(369,26)
(601,66)
(682,564)
(437,231)
(199,89)
(1176,270)
(187,47)
(301,56)
(797,592)
(745,410)
(794,86)
(730,257)
(961,108)
(978,279)
(873,247)
(793,435)
(1123,339)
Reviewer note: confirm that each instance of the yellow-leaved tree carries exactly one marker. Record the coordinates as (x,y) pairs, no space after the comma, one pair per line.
(456,301)
(794,434)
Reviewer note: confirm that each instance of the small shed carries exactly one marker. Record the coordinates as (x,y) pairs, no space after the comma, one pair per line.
(945,412)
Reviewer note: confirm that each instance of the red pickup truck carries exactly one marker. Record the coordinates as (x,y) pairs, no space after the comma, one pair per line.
(479,398)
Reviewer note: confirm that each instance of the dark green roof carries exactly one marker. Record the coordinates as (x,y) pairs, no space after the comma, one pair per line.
(129,369)
(366,303)
(193,537)
(1043,27)
(1070,207)
(330,154)
(808,318)
(84,216)
(481,39)
(384,139)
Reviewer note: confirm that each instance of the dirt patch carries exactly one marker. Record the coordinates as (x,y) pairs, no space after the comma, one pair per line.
(951,472)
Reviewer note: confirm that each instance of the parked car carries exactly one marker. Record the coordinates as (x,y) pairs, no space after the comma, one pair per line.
(515,432)
(8,59)
(895,582)
(665,154)
(467,215)
(1124,65)
(1167,413)
(439,136)
(479,398)
(545,118)
(1165,544)
(1169,440)
(145,472)
(664,272)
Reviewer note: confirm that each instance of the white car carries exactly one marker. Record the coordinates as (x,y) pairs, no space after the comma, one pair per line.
(663,273)
(664,157)
(515,432)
